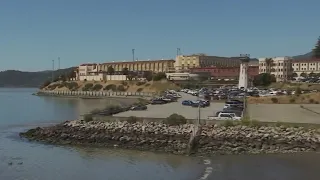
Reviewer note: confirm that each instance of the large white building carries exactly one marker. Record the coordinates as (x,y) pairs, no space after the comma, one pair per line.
(280,67)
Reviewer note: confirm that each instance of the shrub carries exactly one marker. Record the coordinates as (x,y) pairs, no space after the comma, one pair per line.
(97,87)
(255,123)
(228,123)
(45,84)
(274,100)
(88,118)
(298,91)
(121,88)
(159,76)
(140,89)
(112,87)
(53,86)
(316,102)
(87,87)
(132,119)
(125,83)
(71,85)
(146,85)
(60,85)
(292,100)
(95,111)
(311,101)
(175,119)
(140,83)
(245,121)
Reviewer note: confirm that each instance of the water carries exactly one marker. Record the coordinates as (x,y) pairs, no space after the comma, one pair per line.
(20,159)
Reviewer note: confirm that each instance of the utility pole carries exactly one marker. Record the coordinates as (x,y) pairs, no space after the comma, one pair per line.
(58,63)
(52,75)
(132,54)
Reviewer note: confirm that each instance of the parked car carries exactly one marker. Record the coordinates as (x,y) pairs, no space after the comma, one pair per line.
(139,107)
(225,116)
(187,103)
(197,104)
(157,101)
(237,112)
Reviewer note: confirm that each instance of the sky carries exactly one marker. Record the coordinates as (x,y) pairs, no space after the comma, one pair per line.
(35,32)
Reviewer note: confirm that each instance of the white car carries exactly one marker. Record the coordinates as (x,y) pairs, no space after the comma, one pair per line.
(225,116)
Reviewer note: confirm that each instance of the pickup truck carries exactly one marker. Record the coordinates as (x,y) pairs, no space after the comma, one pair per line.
(225,116)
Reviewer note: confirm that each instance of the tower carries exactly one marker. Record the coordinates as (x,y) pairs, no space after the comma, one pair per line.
(243,76)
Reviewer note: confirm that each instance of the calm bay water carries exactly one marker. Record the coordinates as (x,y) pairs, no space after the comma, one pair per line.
(20,159)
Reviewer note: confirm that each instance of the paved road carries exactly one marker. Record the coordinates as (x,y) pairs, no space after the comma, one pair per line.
(163,111)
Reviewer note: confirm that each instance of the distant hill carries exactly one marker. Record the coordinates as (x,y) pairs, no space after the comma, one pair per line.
(303,56)
(13,78)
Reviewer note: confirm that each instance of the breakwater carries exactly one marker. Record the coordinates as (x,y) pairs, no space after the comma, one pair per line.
(94,94)
(152,136)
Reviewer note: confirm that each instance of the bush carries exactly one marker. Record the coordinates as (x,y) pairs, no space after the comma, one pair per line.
(159,76)
(132,119)
(311,101)
(298,91)
(112,87)
(45,84)
(316,102)
(147,85)
(53,86)
(71,85)
(95,111)
(292,100)
(87,87)
(88,118)
(60,85)
(121,88)
(140,89)
(140,83)
(274,100)
(125,83)
(97,87)
(175,119)
(228,123)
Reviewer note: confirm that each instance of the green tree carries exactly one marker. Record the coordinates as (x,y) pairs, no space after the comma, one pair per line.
(312,74)
(316,50)
(264,79)
(159,76)
(110,71)
(147,75)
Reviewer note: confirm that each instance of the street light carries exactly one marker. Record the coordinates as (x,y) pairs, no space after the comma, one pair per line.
(132,54)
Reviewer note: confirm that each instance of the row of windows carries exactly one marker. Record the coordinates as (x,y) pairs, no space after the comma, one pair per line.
(305,69)
(274,64)
(305,64)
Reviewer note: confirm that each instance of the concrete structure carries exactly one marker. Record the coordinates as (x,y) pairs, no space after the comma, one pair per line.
(181,76)
(201,60)
(280,67)
(226,72)
(243,74)
(306,66)
(149,65)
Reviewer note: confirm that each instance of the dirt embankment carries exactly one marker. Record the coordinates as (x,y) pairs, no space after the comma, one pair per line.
(309,98)
(122,86)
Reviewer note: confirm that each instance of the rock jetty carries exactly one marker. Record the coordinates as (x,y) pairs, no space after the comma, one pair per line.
(153,136)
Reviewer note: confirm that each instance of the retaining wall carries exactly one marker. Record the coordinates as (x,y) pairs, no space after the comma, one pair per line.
(93,93)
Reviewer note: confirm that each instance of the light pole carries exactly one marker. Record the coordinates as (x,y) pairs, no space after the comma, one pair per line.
(178,51)
(243,78)
(58,63)
(52,75)
(132,54)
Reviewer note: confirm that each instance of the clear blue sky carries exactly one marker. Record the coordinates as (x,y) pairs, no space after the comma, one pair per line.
(33,32)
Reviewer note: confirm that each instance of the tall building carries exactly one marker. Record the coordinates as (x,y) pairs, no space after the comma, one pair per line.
(280,67)
(306,66)
(200,61)
(149,65)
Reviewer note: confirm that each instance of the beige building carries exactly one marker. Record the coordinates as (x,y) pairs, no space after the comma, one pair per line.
(280,67)
(200,60)
(306,66)
(149,65)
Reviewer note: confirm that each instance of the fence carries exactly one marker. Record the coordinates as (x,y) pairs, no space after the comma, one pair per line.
(94,93)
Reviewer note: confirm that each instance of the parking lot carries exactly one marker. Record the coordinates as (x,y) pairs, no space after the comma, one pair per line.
(165,110)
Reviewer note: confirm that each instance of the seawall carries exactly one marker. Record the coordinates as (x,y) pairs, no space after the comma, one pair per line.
(93,94)
(153,136)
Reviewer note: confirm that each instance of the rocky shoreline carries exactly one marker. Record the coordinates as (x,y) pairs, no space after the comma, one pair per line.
(153,136)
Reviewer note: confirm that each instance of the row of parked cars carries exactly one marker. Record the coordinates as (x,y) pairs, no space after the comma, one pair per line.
(232,110)
(196,103)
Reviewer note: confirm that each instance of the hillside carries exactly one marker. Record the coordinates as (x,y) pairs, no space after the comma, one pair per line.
(303,56)
(13,78)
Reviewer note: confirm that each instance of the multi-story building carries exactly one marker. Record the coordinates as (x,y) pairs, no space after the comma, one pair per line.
(146,65)
(200,61)
(306,66)
(226,72)
(280,67)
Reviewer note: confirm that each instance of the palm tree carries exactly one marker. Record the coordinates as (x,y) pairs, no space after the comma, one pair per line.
(269,64)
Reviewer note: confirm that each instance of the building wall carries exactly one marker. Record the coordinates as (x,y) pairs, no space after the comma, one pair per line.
(152,65)
(181,76)
(226,72)
(201,61)
(306,66)
(280,67)
(98,77)
(85,69)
